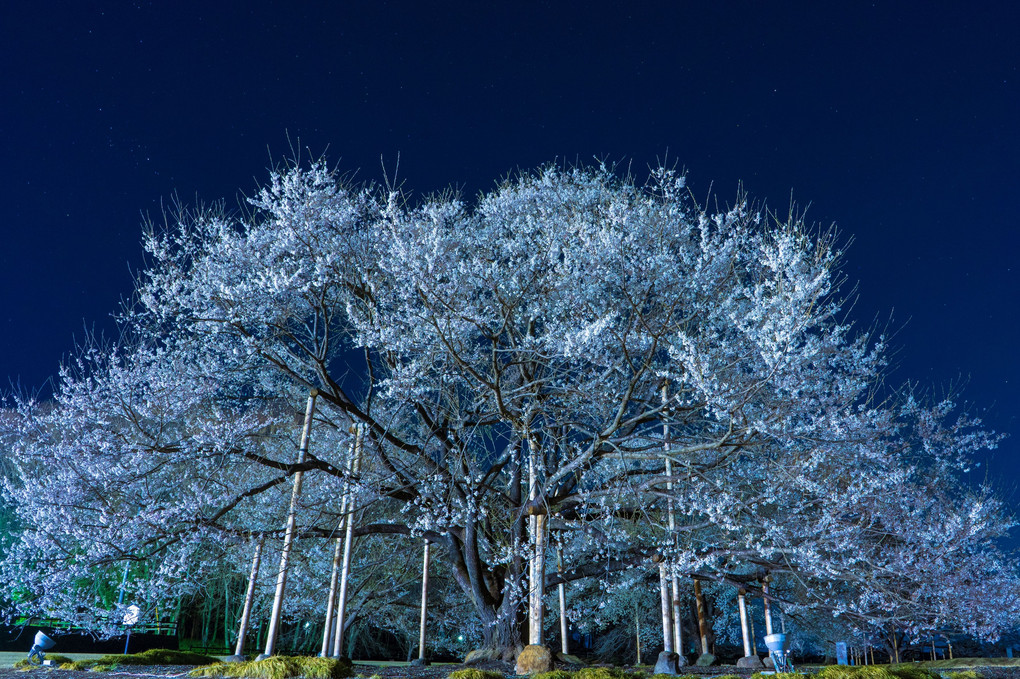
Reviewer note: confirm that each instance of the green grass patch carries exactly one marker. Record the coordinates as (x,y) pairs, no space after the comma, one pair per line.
(968,662)
(964,674)
(856,672)
(913,671)
(604,673)
(280,667)
(555,674)
(154,656)
(474,673)
(55,660)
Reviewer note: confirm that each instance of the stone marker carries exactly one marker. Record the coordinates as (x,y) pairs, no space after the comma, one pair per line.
(841,653)
(534,659)
(669,663)
(705,659)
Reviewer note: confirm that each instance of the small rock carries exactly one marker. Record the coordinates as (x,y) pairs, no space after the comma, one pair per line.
(768,663)
(751,661)
(481,655)
(568,659)
(234,658)
(668,663)
(419,662)
(534,659)
(705,659)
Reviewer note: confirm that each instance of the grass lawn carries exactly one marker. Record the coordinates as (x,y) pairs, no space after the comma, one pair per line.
(7,660)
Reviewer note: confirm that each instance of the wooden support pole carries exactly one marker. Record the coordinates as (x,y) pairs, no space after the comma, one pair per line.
(249,599)
(699,600)
(743,622)
(754,639)
(345,568)
(424,601)
(768,609)
(537,614)
(678,644)
(667,625)
(288,534)
(637,633)
(536,569)
(564,646)
(334,578)
(678,639)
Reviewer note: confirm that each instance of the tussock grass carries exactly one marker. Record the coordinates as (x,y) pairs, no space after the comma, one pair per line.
(474,673)
(968,662)
(280,667)
(555,674)
(154,656)
(857,672)
(606,673)
(55,659)
(964,674)
(913,671)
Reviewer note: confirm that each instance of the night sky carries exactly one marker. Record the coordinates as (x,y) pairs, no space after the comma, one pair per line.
(900,122)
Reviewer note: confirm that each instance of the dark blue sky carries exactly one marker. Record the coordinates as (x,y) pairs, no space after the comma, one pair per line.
(898,121)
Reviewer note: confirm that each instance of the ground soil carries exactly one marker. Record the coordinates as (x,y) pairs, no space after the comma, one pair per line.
(388,672)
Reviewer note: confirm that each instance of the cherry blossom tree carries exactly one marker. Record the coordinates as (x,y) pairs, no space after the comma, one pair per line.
(506,361)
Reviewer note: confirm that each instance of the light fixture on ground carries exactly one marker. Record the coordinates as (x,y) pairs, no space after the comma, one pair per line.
(40,645)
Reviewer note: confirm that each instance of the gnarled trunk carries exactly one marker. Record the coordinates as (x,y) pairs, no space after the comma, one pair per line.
(498,593)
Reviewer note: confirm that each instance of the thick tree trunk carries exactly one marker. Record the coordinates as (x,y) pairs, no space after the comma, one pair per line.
(498,594)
